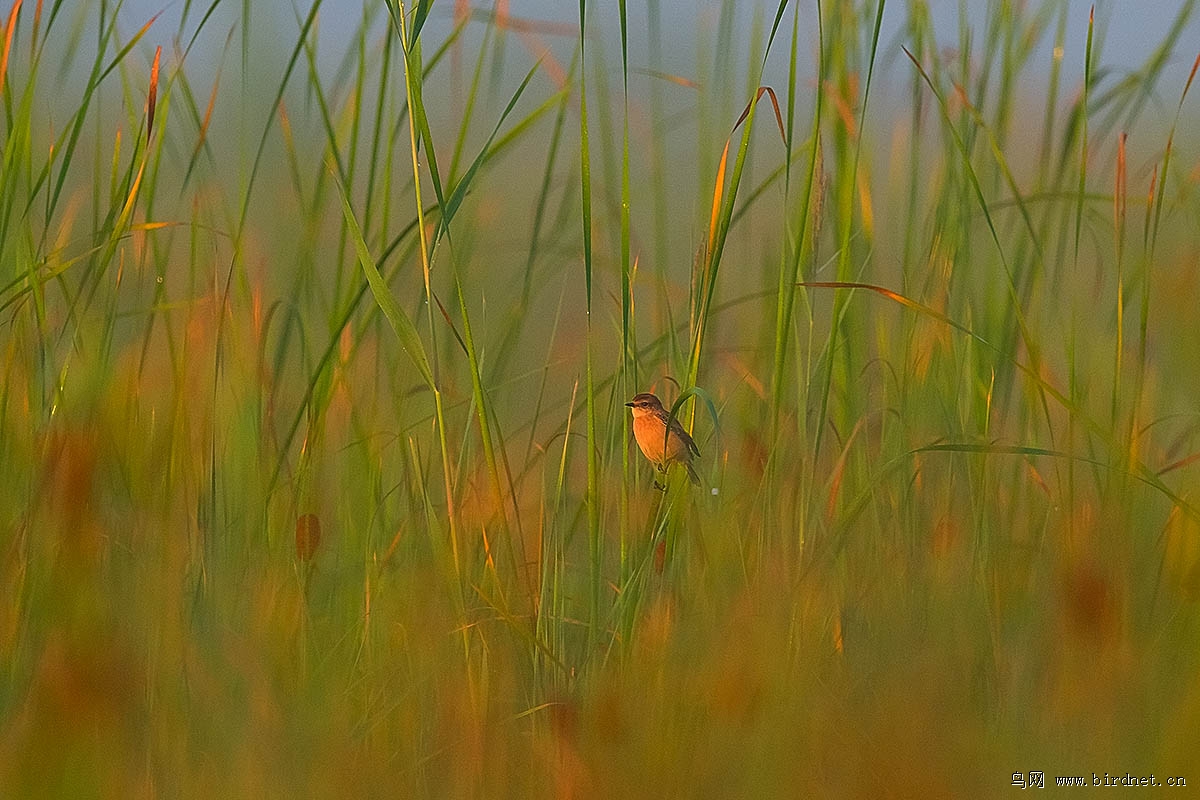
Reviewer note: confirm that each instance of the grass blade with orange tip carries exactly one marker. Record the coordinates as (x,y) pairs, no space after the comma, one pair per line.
(719,222)
(9,29)
(152,95)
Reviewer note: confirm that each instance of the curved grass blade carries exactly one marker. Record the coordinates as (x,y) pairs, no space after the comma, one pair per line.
(403,327)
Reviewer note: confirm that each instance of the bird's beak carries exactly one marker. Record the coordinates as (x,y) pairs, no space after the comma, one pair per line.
(630,404)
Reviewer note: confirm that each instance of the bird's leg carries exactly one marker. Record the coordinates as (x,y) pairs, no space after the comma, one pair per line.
(662,487)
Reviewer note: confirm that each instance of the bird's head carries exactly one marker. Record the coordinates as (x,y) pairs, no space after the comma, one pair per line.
(645,403)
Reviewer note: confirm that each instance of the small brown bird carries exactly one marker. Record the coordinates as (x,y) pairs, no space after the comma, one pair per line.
(663,445)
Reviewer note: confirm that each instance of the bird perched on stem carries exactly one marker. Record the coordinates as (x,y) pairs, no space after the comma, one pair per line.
(662,439)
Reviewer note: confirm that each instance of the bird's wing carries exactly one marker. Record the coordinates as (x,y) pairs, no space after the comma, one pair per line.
(687,439)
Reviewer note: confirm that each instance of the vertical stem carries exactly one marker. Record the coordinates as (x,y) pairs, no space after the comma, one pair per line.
(410,75)
(595,545)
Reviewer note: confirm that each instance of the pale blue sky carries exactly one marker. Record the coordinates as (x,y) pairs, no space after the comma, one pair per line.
(1131,30)
(1134,27)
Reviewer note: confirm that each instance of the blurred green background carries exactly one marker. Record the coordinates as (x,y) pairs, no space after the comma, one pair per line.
(316,329)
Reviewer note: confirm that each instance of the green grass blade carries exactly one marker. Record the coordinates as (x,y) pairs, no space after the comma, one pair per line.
(401,325)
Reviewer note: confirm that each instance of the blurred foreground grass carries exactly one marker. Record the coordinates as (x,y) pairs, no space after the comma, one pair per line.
(255,544)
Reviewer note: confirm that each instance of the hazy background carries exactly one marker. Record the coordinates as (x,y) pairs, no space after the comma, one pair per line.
(949,528)
(1128,29)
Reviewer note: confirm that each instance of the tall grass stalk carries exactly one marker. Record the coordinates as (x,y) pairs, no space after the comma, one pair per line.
(410,47)
(595,542)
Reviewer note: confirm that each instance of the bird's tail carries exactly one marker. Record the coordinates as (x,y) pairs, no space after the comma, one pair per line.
(692,473)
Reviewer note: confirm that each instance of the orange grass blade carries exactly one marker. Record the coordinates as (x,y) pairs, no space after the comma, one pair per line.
(719,188)
(1191,77)
(446,316)
(839,471)
(152,98)
(898,298)
(678,80)
(1180,464)
(718,196)
(8,37)
(131,199)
